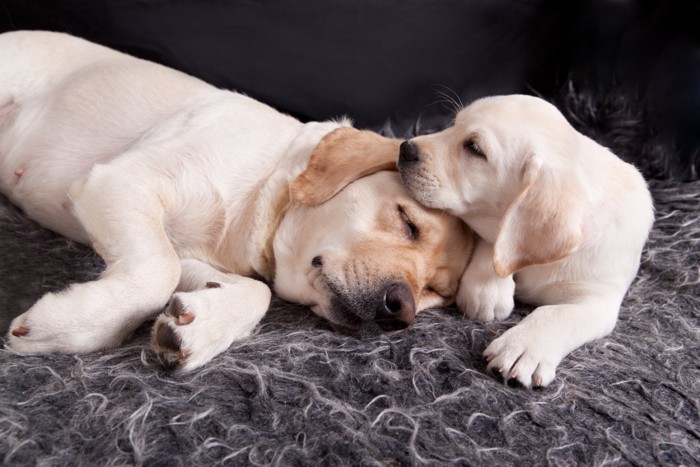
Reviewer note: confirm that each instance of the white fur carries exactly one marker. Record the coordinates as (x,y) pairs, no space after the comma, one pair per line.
(601,208)
(172,181)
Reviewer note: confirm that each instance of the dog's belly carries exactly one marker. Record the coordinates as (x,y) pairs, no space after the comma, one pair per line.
(67,105)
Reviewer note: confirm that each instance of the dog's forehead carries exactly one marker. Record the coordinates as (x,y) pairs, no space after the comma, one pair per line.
(384,192)
(501,111)
(381,187)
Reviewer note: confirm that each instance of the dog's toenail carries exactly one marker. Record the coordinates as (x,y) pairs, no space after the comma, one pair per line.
(212,285)
(20,331)
(185,318)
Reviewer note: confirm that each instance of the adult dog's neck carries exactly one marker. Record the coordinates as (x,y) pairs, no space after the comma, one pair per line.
(272,198)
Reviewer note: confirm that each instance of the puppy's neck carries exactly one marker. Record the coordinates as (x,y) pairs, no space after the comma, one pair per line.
(486,226)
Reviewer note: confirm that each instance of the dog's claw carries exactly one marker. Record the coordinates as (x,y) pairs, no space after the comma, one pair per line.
(185,318)
(538,380)
(20,331)
(177,310)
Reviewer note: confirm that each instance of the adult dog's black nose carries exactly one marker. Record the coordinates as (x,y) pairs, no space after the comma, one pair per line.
(408,153)
(398,309)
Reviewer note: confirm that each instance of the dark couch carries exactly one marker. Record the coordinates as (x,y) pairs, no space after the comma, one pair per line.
(295,393)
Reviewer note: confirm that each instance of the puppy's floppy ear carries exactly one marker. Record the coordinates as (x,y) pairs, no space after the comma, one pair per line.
(343,156)
(544,222)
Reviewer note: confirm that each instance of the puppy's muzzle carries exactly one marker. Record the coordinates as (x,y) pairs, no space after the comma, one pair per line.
(408,153)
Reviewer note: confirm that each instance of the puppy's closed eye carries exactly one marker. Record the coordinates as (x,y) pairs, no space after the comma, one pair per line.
(472,147)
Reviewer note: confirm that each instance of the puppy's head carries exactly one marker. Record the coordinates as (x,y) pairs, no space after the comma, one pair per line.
(508,168)
(369,253)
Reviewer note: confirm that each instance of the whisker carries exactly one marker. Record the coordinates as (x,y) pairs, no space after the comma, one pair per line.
(448,96)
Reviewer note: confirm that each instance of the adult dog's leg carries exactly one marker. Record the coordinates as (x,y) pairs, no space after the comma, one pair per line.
(210,310)
(531,351)
(125,226)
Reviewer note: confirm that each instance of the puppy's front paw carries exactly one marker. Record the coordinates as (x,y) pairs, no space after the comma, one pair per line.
(486,301)
(523,354)
(199,325)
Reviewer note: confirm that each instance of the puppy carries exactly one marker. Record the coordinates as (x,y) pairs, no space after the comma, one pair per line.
(562,222)
(185,188)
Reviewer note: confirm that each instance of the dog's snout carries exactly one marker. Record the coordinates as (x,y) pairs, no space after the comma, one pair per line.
(408,152)
(398,308)
(396,299)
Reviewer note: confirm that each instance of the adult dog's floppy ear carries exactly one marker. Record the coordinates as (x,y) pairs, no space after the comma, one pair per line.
(343,156)
(544,222)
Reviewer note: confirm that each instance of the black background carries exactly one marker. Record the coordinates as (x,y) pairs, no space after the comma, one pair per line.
(381,61)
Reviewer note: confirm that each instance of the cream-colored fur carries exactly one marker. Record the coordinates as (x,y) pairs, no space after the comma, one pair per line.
(562,223)
(179,185)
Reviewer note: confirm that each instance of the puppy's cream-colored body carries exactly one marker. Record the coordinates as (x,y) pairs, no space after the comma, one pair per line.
(177,184)
(562,223)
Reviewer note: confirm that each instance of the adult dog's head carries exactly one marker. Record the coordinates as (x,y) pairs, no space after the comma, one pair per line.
(511,167)
(365,251)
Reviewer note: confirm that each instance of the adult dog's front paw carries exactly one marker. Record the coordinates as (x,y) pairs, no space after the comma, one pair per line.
(486,300)
(525,355)
(199,325)
(59,324)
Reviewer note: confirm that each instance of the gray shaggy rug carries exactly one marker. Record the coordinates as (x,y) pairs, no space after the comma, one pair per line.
(296,393)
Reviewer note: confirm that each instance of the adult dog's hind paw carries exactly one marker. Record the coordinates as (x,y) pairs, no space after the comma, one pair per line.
(199,325)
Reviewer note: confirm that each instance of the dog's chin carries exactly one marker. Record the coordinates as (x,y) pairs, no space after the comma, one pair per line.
(419,189)
(366,329)
(345,322)
(425,197)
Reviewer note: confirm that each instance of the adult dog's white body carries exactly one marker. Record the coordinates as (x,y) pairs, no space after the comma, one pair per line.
(555,211)
(178,184)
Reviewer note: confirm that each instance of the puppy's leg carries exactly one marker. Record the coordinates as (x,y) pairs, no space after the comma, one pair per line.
(211,310)
(482,294)
(124,219)
(531,351)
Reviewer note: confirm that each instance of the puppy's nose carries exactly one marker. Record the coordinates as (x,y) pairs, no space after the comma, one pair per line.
(408,152)
(398,308)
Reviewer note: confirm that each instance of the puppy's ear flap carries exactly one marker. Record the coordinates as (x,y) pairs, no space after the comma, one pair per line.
(544,222)
(343,156)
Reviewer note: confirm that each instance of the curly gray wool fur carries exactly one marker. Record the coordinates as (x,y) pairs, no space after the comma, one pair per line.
(297,393)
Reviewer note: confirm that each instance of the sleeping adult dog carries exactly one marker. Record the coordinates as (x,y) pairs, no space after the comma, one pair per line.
(182,186)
